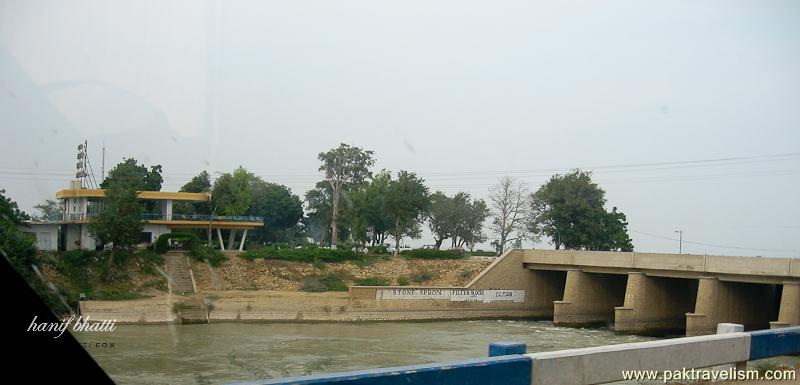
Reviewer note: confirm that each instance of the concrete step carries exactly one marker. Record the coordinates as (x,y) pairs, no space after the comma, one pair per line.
(180,278)
(193,311)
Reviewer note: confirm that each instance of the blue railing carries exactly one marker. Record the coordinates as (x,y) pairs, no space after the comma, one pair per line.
(215,218)
(177,217)
(508,363)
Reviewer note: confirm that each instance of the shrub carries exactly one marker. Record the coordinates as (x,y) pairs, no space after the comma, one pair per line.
(75,264)
(372,281)
(481,253)
(305,254)
(431,254)
(334,282)
(210,254)
(402,281)
(421,276)
(149,257)
(187,240)
(380,249)
(329,282)
(313,285)
(466,273)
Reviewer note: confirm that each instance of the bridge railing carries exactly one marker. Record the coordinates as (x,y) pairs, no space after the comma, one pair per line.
(509,365)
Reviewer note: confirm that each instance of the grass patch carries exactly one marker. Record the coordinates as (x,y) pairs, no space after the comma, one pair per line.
(431,254)
(305,254)
(113,295)
(421,276)
(402,281)
(210,254)
(84,271)
(481,253)
(372,281)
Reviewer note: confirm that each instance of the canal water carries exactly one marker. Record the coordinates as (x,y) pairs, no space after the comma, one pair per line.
(225,352)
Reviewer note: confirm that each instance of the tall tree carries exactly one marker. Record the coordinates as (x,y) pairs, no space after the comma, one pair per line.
(49,210)
(281,210)
(458,218)
(508,201)
(569,209)
(471,230)
(407,201)
(200,183)
(369,210)
(119,221)
(440,218)
(345,167)
(318,220)
(231,196)
(131,173)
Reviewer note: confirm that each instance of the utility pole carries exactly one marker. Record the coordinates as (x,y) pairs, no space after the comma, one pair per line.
(103,165)
(680,241)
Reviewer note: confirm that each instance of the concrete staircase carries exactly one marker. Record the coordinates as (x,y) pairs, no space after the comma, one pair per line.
(180,276)
(192,311)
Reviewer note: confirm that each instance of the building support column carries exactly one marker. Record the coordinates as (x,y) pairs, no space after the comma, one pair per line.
(232,239)
(789,313)
(221,243)
(241,243)
(589,299)
(654,306)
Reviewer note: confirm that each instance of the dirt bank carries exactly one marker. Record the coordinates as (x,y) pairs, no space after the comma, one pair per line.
(239,274)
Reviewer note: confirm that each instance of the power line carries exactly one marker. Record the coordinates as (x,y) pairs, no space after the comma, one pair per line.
(714,245)
(547,171)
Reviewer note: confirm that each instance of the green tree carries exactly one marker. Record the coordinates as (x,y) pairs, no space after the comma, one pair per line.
(49,210)
(440,218)
(16,246)
(231,196)
(407,201)
(470,229)
(200,183)
(569,209)
(369,210)
(318,221)
(131,173)
(458,218)
(119,221)
(281,210)
(346,168)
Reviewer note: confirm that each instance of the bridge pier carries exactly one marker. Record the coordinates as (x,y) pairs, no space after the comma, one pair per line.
(547,287)
(654,305)
(749,304)
(789,313)
(589,299)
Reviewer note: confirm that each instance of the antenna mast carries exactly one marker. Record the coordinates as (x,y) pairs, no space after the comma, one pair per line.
(103,165)
(84,172)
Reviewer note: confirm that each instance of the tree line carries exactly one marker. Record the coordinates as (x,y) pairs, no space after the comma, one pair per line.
(354,205)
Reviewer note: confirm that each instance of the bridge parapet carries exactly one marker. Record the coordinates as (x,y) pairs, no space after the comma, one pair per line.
(585,366)
(741,269)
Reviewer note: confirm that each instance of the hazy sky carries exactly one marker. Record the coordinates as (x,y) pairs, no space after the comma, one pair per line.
(461,92)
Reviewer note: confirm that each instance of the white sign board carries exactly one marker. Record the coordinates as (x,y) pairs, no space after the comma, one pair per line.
(454,295)
(413,294)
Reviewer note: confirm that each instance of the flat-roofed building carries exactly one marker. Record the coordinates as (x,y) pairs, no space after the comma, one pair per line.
(79,205)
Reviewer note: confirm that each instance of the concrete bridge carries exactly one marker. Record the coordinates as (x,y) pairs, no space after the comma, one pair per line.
(648,293)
